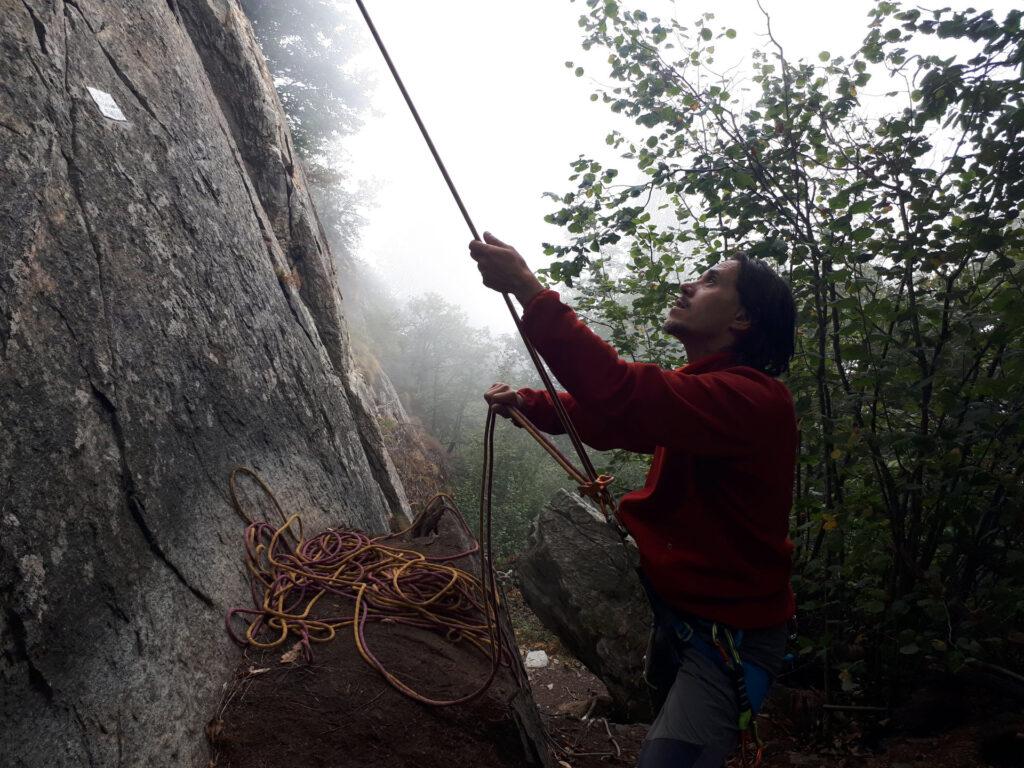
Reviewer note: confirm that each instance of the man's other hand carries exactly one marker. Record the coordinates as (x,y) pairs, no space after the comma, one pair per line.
(503,269)
(502,396)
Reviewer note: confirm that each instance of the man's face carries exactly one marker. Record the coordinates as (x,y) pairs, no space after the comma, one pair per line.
(708,309)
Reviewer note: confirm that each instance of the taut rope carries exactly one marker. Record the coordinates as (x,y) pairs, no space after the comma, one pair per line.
(592,479)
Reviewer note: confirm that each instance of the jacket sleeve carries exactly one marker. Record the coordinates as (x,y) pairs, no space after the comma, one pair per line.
(600,433)
(718,413)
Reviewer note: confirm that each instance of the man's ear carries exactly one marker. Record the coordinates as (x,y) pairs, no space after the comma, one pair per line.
(740,323)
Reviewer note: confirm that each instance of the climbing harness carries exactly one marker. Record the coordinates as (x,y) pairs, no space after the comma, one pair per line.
(750,681)
(299,586)
(592,485)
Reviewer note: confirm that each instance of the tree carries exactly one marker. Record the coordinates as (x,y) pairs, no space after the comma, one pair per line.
(441,366)
(901,240)
(308,45)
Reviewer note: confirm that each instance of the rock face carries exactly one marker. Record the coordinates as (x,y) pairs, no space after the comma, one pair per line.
(581,582)
(168,310)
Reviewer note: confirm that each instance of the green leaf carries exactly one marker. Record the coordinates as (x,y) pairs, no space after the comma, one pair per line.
(873,606)
(743,179)
(892,210)
(840,201)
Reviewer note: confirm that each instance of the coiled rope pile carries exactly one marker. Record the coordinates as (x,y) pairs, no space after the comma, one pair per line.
(291,578)
(297,583)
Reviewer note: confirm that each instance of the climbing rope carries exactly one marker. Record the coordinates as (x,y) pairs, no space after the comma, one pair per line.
(596,488)
(293,581)
(592,480)
(290,575)
(291,578)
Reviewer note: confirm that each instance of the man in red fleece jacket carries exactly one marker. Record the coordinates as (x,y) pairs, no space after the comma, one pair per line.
(711,522)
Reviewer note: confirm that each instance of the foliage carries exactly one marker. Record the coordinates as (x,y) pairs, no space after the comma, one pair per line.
(441,365)
(900,237)
(308,45)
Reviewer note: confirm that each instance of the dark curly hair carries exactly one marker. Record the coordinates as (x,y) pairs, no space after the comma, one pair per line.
(768,300)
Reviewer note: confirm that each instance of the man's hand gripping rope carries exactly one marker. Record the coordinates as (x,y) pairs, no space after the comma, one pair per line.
(505,401)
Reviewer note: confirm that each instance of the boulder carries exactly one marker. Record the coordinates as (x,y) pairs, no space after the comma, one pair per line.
(579,578)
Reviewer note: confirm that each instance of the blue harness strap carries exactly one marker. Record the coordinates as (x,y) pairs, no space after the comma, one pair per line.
(752,685)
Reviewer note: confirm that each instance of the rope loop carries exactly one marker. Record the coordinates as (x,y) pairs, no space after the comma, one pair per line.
(597,489)
(590,484)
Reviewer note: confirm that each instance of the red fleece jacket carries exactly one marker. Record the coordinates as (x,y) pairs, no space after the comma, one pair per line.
(711,522)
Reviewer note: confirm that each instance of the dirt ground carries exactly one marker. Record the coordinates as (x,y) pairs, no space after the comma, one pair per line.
(565,694)
(573,705)
(337,711)
(330,708)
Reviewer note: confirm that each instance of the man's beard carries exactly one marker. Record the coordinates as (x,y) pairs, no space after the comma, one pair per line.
(672,327)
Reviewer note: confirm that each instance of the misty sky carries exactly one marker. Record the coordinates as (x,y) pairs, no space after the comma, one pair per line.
(490,82)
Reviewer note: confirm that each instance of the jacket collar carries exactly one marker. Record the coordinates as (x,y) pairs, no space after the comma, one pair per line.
(715,362)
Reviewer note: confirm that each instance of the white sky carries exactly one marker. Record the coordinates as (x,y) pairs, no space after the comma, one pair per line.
(507,117)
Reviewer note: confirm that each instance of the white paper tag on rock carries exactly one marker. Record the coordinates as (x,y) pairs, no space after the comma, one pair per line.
(106,104)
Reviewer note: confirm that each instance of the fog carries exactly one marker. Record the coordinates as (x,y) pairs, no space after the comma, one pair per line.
(507,116)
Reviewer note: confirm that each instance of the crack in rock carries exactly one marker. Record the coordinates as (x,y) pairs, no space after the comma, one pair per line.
(135,505)
(36,679)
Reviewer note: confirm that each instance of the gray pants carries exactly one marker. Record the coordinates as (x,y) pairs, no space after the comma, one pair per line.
(695,697)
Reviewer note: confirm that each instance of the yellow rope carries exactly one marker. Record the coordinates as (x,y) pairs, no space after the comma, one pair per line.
(291,575)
